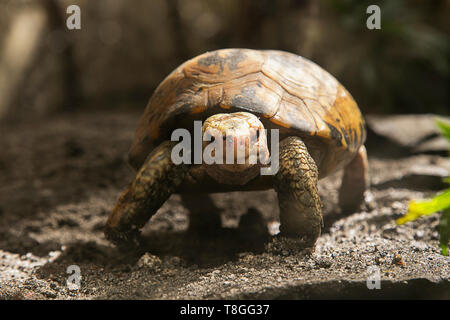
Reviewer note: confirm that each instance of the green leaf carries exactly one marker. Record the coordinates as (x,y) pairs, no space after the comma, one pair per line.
(418,208)
(444,126)
(441,202)
(444,231)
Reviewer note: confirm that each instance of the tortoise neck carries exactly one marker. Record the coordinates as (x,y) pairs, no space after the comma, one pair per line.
(232,177)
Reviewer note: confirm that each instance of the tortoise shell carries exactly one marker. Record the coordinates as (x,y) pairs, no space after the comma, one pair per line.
(285,90)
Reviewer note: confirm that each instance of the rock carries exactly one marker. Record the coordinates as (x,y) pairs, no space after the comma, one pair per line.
(149,262)
(49,293)
(398,260)
(406,130)
(414,181)
(434,145)
(323,262)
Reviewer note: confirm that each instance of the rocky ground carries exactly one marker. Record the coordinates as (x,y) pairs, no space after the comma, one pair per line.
(59,179)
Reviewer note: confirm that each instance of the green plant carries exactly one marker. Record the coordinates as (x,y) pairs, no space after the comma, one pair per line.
(440,202)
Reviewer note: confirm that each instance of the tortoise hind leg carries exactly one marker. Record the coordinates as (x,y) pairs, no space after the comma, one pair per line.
(296,185)
(355,182)
(204,215)
(155,181)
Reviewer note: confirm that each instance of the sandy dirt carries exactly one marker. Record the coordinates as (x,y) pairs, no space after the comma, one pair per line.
(59,179)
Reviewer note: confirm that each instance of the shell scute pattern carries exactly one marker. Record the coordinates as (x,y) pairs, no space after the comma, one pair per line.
(288,90)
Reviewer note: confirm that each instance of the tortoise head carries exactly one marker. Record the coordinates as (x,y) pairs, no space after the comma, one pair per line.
(236,146)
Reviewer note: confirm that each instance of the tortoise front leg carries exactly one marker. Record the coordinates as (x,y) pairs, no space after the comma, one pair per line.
(155,181)
(296,185)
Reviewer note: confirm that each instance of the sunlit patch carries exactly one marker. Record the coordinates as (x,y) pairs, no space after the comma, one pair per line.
(198,109)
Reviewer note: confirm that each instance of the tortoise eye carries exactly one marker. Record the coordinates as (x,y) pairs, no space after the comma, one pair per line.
(210,137)
(254,137)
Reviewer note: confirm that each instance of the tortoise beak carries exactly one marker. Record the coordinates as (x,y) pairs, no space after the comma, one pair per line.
(238,147)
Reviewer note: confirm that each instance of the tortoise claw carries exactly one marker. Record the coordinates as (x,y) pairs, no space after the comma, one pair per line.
(124,240)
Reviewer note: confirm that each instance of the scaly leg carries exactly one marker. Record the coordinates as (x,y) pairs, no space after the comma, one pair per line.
(155,181)
(296,185)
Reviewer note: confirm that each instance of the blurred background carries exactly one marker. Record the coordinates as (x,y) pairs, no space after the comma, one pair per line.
(125,48)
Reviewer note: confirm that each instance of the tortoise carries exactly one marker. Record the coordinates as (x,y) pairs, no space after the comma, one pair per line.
(239,96)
